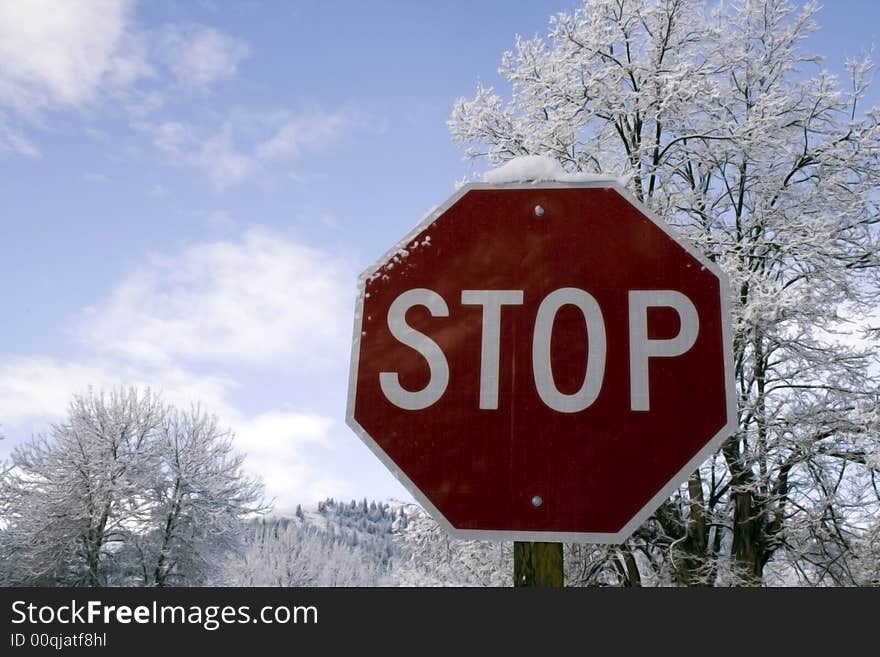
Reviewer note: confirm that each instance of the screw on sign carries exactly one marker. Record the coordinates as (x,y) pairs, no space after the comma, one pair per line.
(542,362)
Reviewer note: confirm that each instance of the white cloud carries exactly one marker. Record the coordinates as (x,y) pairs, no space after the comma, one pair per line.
(67,54)
(71,54)
(171,136)
(199,55)
(307,131)
(14,141)
(225,164)
(216,155)
(268,432)
(77,53)
(61,54)
(265,300)
(247,142)
(274,443)
(40,388)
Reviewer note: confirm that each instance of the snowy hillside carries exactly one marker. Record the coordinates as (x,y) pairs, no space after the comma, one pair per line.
(363,544)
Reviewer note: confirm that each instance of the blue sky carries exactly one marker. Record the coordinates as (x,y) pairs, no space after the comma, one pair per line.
(188,191)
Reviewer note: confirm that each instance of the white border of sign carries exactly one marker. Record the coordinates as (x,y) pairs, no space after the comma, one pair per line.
(565,537)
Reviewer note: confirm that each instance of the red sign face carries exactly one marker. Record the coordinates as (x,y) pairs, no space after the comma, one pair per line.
(542,362)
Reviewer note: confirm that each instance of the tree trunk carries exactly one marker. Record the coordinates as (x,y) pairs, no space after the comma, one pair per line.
(537,564)
(748,545)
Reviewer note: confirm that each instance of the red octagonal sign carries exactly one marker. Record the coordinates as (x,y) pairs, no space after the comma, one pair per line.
(542,362)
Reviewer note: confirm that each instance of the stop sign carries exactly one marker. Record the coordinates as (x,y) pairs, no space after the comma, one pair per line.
(542,362)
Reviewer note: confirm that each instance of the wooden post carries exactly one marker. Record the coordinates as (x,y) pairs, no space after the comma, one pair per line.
(537,564)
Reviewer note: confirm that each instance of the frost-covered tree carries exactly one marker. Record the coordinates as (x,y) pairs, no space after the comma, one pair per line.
(195,500)
(127,490)
(282,553)
(728,130)
(70,496)
(432,557)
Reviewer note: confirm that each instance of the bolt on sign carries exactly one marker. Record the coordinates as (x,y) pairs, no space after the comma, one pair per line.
(542,362)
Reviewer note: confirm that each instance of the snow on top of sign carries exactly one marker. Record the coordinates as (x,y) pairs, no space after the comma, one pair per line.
(398,255)
(538,168)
